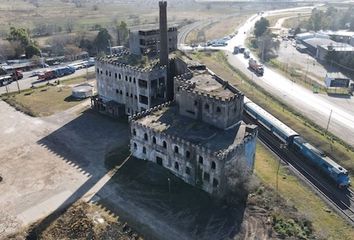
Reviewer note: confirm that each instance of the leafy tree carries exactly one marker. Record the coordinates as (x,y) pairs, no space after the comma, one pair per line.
(260,27)
(19,34)
(102,40)
(32,50)
(122,32)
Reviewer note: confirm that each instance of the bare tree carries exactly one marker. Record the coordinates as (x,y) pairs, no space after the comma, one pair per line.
(69,26)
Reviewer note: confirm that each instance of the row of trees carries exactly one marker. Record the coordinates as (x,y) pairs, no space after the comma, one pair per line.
(332,19)
(22,43)
(264,40)
(19,42)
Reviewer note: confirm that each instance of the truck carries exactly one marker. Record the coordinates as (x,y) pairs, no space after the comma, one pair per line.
(238,49)
(4,80)
(256,67)
(46,75)
(16,75)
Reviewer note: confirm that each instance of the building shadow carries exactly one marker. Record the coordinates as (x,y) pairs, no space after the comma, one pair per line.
(82,143)
(159,205)
(147,196)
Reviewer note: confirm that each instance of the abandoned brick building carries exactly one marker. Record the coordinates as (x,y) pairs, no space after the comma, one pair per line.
(146,42)
(182,116)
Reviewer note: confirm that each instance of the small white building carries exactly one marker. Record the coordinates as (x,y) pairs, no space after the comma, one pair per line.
(336,80)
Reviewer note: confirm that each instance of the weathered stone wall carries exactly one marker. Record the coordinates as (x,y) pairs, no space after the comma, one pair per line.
(196,165)
(136,47)
(120,83)
(219,112)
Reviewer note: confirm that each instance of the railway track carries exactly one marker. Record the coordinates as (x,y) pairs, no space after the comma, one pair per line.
(342,201)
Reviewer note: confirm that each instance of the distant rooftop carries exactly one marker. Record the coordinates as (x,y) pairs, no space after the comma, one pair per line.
(315,41)
(339,33)
(207,83)
(336,75)
(168,121)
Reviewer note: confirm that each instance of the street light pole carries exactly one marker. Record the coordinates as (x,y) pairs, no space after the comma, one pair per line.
(169,189)
(329,120)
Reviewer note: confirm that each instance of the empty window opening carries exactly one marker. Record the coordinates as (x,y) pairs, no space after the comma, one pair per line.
(176,166)
(206,106)
(218,109)
(188,154)
(142,83)
(215,182)
(213,165)
(135,146)
(144,150)
(153,140)
(159,161)
(176,149)
(143,99)
(164,144)
(206,177)
(134,132)
(200,159)
(145,136)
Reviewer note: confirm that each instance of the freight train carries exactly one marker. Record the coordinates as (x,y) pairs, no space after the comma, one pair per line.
(296,143)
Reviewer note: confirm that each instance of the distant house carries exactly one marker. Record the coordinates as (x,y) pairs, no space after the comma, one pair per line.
(307,35)
(343,36)
(337,80)
(343,49)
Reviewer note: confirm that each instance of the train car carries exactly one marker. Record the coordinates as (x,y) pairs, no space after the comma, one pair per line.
(288,136)
(317,158)
(279,129)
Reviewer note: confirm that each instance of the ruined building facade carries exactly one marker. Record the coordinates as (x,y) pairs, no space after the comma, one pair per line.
(132,87)
(200,136)
(147,42)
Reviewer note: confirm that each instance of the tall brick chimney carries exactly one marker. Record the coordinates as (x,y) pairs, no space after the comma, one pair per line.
(164,51)
(163,33)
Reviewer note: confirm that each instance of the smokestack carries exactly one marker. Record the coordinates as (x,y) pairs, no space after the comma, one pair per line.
(164,49)
(163,33)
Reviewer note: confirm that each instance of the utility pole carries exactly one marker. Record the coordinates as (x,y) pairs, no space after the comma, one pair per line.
(329,120)
(18,85)
(169,189)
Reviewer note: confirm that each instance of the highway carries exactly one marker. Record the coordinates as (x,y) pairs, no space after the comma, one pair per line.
(319,108)
(27,81)
(316,107)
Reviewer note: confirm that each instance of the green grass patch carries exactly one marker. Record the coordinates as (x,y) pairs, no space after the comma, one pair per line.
(327,224)
(43,101)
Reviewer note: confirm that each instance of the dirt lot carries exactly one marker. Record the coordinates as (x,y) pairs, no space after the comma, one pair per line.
(217,30)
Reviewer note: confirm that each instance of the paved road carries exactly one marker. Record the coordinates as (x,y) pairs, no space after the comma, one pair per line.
(26,81)
(316,106)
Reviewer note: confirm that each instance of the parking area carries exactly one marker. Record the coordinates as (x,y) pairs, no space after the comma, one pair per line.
(302,62)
